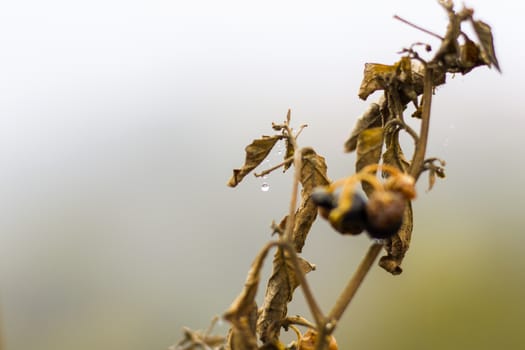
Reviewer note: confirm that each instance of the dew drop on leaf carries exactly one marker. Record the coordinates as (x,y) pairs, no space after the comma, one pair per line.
(265,187)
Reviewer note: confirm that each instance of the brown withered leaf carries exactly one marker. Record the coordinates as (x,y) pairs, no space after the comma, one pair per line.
(256,152)
(381,76)
(283,280)
(369,146)
(279,292)
(196,340)
(435,171)
(393,154)
(242,313)
(242,333)
(375,77)
(243,304)
(398,244)
(304,218)
(288,153)
(312,175)
(470,56)
(431,179)
(313,171)
(484,33)
(371,118)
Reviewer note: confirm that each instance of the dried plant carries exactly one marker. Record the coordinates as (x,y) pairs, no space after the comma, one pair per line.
(385,213)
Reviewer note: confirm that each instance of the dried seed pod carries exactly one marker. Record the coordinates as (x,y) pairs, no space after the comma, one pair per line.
(325,200)
(384,212)
(352,220)
(346,221)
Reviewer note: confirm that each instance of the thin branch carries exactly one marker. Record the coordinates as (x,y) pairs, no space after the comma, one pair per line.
(403,126)
(418,27)
(267,171)
(351,288)
(418,159)
(290,221)
(347,295)
(308,295)
(297,320)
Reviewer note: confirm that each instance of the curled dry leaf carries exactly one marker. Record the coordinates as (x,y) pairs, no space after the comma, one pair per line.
(288,153)
(376,77)
(279,293)
(242,314)
(434,170)
(304,218)
(470,56)
(398,244)
(283,280)
(484,33)
(393,154)
(194,340)
(256,152)
(383,77)
(313,171)
(313,174)
(371,118)
(369,147)
(242,333)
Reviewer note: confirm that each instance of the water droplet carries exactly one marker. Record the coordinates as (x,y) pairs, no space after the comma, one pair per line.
(265,176)
(265,187)
(280,148)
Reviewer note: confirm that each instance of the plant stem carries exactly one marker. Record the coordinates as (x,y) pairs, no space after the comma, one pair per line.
(347,295)
(416,166)
(308,295)
(351,288)
(267,171)
(288,232)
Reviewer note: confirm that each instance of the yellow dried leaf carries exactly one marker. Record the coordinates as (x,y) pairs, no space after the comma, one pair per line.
(256,152)
(369,146)
(398,244)
(376,76)
(369,119)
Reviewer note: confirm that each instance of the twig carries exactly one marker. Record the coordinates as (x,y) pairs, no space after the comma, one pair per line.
(403,126)
(418,27)
(347,295)
(290,221)
(418,159)
(351,288)
(308,295)
(297,320)
(267,171)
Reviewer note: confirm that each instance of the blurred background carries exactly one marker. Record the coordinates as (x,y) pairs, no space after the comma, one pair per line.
(120,123)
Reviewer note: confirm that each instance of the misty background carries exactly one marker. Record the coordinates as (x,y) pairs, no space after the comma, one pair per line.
(120,123)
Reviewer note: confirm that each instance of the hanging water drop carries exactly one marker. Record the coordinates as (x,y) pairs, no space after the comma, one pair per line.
(265,187)
(280,148)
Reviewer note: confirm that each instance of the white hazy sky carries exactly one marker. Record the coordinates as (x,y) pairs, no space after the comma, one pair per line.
(120,122)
